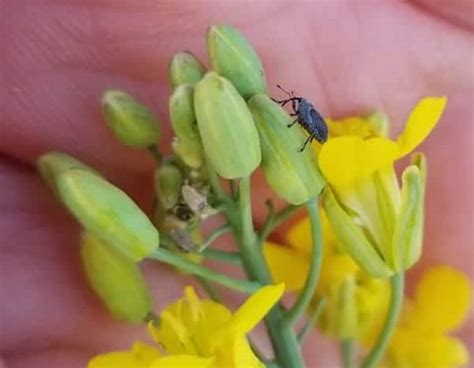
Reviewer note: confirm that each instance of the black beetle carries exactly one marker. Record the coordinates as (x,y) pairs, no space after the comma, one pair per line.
(307,116)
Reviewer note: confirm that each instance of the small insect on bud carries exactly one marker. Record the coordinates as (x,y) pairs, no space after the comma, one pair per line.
(228,132)
(292,174)
(52,164)
(233,57)
(131,122)
(188,144)
(185,68)
(115,279)
(168,182)
(107,212)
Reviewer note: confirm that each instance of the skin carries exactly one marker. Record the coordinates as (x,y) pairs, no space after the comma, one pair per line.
(59,56)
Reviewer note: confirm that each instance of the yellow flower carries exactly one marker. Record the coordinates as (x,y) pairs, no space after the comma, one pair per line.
(378,223)
(440,305)
(199,333)
(351,296)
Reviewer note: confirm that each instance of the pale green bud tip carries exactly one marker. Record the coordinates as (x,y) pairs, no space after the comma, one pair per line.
(226,127)
(108,213)
(130,121)
(232,56)
(115,279)
(184,67)
(408,234)
(292,174)
(52,164)
(168,182)
(379,123)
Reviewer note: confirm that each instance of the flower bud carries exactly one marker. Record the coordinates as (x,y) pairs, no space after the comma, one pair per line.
(185,68)
(292,174)
(233,57)
(131,122)
(352,237)
(108,213)
(168,182)
(115,279)
(52,164)
(188,146)
(228,132)
(408,234)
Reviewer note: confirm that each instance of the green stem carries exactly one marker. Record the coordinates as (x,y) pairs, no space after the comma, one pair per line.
(283,338)
(347,348)
(209,289)
(221,255)
(214,235)
(274,220)
(311,321)
(396,301)
(306,294)
(184,264)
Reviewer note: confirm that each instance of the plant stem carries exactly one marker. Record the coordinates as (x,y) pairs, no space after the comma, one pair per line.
(311,321)
(274,220)
(214,235)
(222,255)
(347,348)
(306,294)
(209,289)
(285,344)
(184,264)
(396,301)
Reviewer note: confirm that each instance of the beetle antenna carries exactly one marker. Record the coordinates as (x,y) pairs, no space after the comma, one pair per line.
(291,94)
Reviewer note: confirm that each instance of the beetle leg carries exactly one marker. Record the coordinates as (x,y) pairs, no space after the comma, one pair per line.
(310,138)
(292,123)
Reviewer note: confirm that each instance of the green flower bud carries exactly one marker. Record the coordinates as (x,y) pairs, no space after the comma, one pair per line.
(52,164)
(408,234)
(228,132)
(190,152)
(233,57)
(108,213)
(168,182)
(115,279)
(185,68)
(292,174)
(131,122)
(352,238)
(188,146)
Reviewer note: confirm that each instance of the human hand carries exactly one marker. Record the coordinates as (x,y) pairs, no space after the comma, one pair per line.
(346,57)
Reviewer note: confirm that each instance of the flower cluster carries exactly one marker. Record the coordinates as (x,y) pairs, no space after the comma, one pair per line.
(346,272)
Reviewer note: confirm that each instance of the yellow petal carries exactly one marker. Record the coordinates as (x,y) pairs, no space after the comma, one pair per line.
(355,126)
(442,300)
(286,265)
(145,352)
(141,356)
(256,307)
(335,270)
(183,361)
(299,235)
(117,360)
(345,160)
(411,349)
(421,122)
